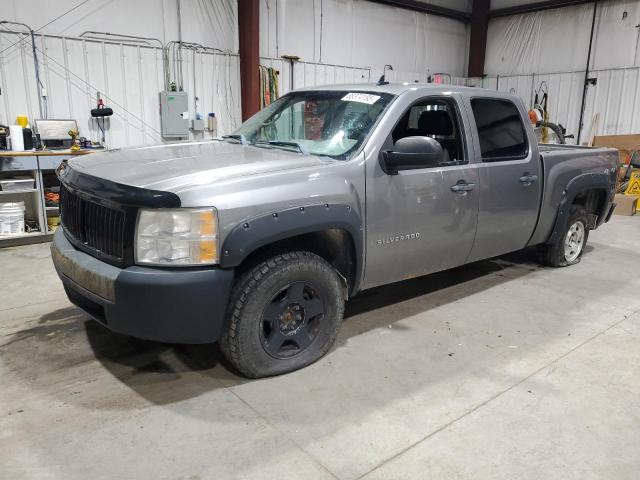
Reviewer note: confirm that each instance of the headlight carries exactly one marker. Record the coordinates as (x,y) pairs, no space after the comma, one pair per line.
(177,237)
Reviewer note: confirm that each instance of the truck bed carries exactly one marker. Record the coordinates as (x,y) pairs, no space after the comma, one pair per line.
(553,147)
(560,164)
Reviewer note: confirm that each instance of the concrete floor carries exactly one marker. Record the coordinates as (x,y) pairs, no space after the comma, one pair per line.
(498,370)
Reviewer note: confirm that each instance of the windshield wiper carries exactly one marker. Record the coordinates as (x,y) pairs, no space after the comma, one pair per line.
(236,136)
(281,143)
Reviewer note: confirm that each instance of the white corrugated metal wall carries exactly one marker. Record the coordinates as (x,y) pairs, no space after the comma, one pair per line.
(358,33)
(615,98)
(340,41)
(128,77)
(310,74)
(551,46)
(128,73)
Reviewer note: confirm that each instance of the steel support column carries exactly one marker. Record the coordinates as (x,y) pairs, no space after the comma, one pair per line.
(249,46)
(478,37)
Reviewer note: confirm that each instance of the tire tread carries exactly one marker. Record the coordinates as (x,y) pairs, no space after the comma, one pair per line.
(552,254)
(248,281)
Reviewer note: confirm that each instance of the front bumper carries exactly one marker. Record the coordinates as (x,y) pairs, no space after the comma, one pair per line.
(166,305)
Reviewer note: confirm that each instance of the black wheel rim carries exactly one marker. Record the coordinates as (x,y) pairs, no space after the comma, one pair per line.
(291,320)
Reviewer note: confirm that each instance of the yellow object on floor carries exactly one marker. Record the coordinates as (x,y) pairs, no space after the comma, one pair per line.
(634,184)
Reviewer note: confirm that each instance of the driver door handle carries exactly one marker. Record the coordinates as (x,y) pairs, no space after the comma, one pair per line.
(462,187)
(527,180)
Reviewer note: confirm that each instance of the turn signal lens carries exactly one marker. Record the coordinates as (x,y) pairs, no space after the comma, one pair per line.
(207,223)
(208,251)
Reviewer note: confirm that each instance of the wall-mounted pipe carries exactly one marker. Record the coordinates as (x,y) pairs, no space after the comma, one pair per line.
(180,43)
(95,35)
(174,66)
(586,73)
(42,99)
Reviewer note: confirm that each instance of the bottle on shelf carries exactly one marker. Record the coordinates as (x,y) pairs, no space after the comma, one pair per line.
(212,125)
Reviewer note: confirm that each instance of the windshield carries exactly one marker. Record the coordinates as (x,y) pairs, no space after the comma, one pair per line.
(332,122)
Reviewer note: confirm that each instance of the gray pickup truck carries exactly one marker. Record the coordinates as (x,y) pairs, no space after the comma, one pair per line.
(257,239)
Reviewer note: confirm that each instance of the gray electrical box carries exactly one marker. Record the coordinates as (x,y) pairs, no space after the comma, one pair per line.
(174,120)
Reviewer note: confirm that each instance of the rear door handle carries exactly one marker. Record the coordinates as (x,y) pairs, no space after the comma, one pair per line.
(463,187)
(527,180)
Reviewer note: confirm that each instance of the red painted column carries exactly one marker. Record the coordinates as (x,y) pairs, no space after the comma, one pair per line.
(478,37)
(249,43)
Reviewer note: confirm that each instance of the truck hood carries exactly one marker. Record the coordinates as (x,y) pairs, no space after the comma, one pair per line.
(182,166)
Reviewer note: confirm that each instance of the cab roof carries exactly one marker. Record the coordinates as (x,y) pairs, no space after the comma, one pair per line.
(400,88)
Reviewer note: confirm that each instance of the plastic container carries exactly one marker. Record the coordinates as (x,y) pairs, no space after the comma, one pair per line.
(27,139)
(17,184)
(17,138)
(11,218)
(53,221)
(212,125)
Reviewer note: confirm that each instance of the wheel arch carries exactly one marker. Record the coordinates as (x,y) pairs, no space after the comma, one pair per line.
(593,192)
(331,231)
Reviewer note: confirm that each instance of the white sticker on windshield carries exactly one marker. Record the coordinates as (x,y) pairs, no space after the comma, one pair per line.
(361,97)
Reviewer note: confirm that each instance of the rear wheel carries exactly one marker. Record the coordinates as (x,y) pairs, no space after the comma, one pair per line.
(284,314)
(568,248)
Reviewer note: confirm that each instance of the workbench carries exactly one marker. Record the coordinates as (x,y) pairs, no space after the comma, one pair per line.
(41,166)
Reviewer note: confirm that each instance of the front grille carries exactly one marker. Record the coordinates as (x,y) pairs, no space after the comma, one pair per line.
(95,228)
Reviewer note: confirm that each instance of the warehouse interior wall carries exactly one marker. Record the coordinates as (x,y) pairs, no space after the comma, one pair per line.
(128,73)
(339,41)
(363,34)
(208,22)
(548,49)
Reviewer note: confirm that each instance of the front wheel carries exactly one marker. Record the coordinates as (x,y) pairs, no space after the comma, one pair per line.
(568,248)
(284,314)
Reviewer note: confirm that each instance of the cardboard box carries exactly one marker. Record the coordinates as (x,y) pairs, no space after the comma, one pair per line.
(621,142)
(626,204)
(626,145)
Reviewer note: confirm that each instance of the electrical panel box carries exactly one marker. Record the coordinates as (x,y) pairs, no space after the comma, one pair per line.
(174,108)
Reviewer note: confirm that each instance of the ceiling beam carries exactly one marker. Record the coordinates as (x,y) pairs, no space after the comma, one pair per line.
(422,7)
(535,7)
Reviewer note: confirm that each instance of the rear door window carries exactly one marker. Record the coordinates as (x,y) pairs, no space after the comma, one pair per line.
(500,129)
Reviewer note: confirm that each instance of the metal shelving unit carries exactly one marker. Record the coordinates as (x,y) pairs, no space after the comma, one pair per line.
(41,166)
(30,190)
(11,166)
(47,167)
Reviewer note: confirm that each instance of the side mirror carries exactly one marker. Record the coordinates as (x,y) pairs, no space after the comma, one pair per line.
(410,153)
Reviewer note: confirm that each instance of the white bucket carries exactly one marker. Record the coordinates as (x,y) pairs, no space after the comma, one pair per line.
(11,218)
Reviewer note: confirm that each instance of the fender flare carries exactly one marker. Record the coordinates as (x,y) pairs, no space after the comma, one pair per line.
(577,185)
(272,227)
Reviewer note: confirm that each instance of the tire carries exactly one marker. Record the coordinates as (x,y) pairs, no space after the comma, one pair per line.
(284,314)
(555,254)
